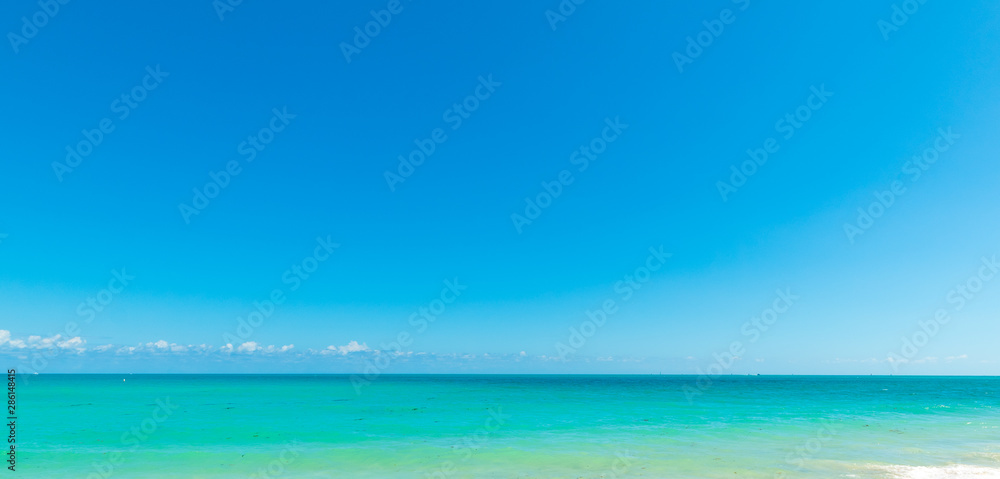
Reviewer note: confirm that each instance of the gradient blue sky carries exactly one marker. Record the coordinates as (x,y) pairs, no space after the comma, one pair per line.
(656,185)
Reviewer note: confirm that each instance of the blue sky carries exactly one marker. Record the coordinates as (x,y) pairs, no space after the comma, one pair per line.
(605,113)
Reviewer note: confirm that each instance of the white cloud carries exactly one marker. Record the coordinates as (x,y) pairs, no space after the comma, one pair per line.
(160,345)
(273,349)
(351,347)
(72,343)
(251,347)
(162,348)
(248,347)
(38,342)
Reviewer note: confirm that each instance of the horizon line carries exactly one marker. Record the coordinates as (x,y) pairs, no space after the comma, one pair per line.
(511,374)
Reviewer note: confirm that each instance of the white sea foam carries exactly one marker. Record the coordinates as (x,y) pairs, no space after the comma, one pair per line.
(935,472)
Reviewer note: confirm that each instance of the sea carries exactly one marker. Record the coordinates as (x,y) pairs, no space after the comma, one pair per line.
(505,426)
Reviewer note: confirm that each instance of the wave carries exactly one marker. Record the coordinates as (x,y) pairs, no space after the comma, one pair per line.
(935,472)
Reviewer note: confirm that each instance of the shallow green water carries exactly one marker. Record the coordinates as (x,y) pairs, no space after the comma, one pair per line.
(215,426)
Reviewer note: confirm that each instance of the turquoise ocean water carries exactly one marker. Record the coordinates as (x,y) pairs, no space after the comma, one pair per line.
(321,426)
